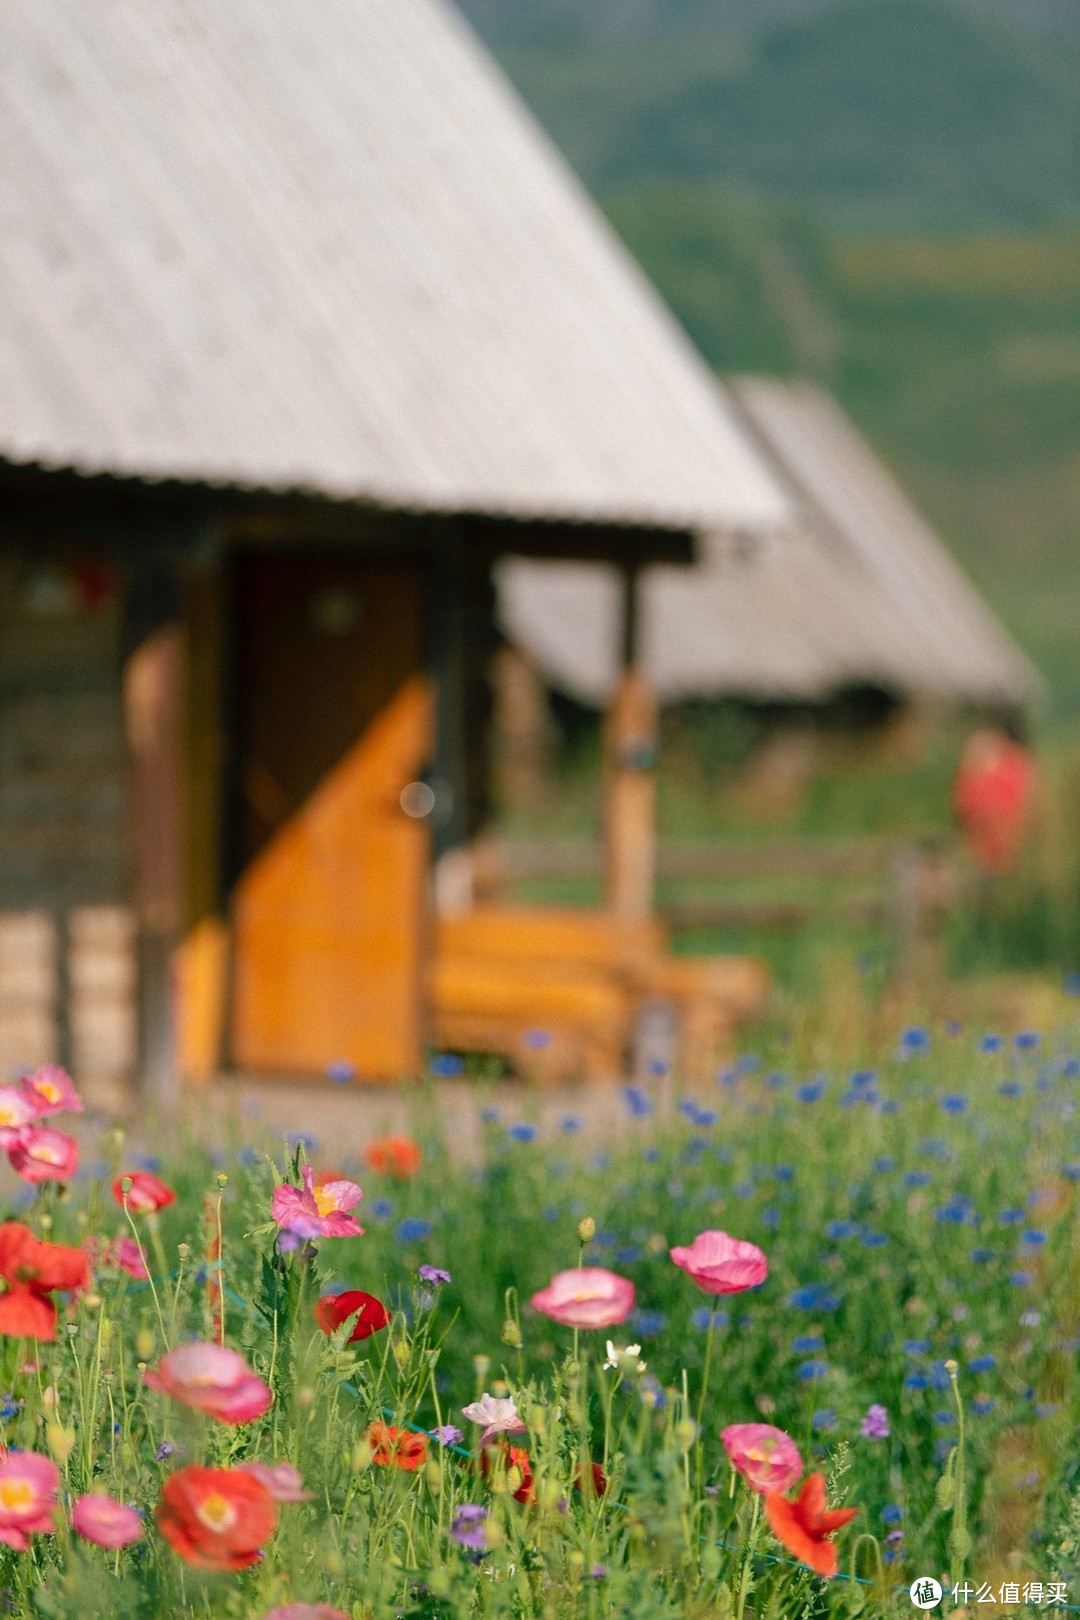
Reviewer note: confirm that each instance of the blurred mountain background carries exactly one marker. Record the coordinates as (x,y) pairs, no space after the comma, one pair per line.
(884,194)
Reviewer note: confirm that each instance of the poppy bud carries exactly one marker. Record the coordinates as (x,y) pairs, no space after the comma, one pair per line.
(586,1229)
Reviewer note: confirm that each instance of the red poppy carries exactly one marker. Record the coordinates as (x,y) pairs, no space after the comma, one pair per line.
(398,1447)
(146,1194)
(216,1518)
(31,1270)
(805,1525)
(515,1465)
(333,1309)
(396,1156)
(599,1480)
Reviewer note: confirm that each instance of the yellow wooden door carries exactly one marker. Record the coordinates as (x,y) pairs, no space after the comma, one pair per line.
(333,721)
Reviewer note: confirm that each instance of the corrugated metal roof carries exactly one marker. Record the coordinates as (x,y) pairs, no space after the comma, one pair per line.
(862,592)
(323,246)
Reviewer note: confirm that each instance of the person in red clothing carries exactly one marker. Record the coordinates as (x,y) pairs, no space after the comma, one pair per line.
(993,796)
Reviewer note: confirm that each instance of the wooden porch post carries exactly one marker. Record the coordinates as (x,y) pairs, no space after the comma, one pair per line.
(629,780)
(153,684)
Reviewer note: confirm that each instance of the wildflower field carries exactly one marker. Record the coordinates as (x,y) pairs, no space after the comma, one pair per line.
(779,1351)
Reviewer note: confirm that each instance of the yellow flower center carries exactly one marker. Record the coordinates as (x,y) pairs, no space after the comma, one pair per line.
(325,1202)
(7,1115)
(48,1090)
(48,1154)
(16,1494)
(216,1512)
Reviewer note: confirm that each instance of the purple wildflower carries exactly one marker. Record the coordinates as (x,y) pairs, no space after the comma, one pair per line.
(434,1274)
(875,1425)
(469,1527)
(447,1434)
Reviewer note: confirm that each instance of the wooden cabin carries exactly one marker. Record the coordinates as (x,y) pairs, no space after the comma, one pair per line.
(303,326)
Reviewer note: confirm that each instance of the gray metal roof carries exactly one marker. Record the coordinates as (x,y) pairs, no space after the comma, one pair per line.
(862,592)
(323,246)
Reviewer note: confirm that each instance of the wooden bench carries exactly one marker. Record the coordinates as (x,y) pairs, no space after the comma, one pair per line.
(558,991)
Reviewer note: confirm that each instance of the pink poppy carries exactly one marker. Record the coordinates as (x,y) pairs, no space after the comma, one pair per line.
(722,1265)
(42,1154)
(119,1254)
(145,1194)
(105,1522)
(211,1379)
(28,1485)
(587,1297)
(499,1415)
(317,1209)
(16,1112)
(767,1458)
(306,1611)
(51,1090)
(281,1480)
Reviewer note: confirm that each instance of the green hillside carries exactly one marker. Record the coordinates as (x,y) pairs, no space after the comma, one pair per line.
(896,113)
(883,194)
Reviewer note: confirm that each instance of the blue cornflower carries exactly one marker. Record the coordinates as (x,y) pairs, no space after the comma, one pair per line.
(570,1122)
(776,1081)
(706,1117)
(1011,1217)
(981,1405)
(249,1157)
(658,1067)
(704,1314)
(979,1257)
(917,1347)
(957,1212)
(884,1163)
(916,1380)
(991,1043)
(1022,1279)
(824,1420)
(1026,1040)
(841,1229)
(770,1218)
(784,1172)
(9,1407)
(341,1072)
(1010,1088)
(749,1063)
(862,1078)
(874,1240)
(151,1162)
(954,1027)
(806,1343)
(651,1155)
(489,1116)
(381,1209)
(1071,1171)
(550,1213)
(915,1040)
(939,1376)
(537,1039)
(1071,1068)
(637,1102)
(917,1178)
(648,1323)
(447,1065)
(807,1372)
(689,1107)
(522,1132)
(892,1514)
(814,1297)
(944,1418)
(412,1229)
(1034,1239)
(1072,984)
(627,1255)
(890,1106)
(810,1091)
(980,1364)
(954,1102)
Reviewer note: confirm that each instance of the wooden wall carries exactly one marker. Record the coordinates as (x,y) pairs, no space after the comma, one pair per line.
(66,958)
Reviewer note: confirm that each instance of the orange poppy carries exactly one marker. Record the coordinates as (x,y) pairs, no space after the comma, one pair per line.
(397,1156)
(514,1463)
(216,1518)
(397,1447)
(31,1270)
(805,1525)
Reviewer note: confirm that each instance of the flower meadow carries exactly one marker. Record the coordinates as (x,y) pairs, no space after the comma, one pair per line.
(774,1351)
